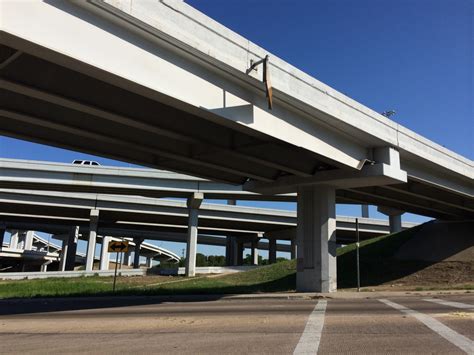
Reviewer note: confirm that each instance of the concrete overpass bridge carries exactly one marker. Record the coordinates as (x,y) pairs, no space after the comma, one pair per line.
(161,85)
(147,218)
(29,250)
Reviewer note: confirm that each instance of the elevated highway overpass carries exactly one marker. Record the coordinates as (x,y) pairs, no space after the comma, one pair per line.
(147,218)
(157,215)
(161,85)
(37,175)
(28,249)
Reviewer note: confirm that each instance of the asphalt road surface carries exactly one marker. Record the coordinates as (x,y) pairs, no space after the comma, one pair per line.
(416,325)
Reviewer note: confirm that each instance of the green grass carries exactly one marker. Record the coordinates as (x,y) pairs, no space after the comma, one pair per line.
(376,260)
(271,278)
(54,287)
(376,264)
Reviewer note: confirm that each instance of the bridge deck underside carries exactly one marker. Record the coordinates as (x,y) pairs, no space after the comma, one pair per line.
(59,106)
(45,102)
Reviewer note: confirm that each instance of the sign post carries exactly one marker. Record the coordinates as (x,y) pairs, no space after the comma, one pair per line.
(117,247)
(357,254)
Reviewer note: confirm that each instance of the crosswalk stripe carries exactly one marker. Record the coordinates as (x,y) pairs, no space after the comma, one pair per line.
(451,303)
(311,337)
(435,325)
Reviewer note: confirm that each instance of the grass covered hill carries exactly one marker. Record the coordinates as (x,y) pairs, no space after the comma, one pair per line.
(378,264)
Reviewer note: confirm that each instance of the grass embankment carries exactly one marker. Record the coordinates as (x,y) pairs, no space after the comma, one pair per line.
(271,278)
(377,267)
(376,260)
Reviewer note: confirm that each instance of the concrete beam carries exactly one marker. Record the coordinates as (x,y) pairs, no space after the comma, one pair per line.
(316,240)
(369,175)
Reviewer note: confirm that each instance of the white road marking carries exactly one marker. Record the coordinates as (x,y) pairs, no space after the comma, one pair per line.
(451,303)
(309,341)
(435,325)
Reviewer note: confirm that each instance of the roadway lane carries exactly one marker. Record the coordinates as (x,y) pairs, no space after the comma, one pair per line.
(456,316)
(255,326)
(370,327)
(249,326)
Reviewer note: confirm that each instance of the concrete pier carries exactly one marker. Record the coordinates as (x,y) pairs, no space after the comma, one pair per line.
(2,234)
(240,253)
(272,250)
(63,255)
(316,239)
(193,203)
(94,220)
(293,249)
(104,254)
(127,258)
(28,240)
(72,240)
(136,254)
(14,239)
(394,217)
(254,252)
(365,211)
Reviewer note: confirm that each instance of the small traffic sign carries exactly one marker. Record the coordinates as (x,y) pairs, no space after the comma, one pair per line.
(118,247)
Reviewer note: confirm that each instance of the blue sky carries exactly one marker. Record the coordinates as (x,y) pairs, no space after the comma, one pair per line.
(413,56)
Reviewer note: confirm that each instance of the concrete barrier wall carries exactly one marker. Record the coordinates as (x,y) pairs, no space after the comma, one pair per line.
(45,275)
(209,270)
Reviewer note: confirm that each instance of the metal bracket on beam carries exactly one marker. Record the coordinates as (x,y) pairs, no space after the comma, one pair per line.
(265,78)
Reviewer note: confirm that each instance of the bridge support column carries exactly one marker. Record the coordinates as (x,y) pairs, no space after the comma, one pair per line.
(394,218)
(254,252)
(14,239)
(228,251)
(127,258)
(272,250)
(232,251)
(104,254)
(63,256)
(3,229)
(44,266)
(293,249)
(194,202)
(71,242)
(395,223)
(28,240)
(94,221)
(136,254)
(316,239)
(365,211)
(240,253)
(149,262)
